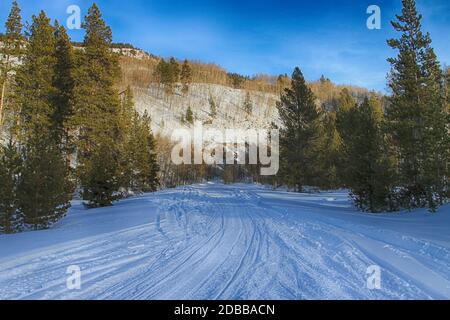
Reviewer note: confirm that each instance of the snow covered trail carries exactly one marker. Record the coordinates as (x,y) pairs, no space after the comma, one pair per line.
(215,241)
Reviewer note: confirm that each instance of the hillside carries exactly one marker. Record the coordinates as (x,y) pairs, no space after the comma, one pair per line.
(213,85)
(167,111)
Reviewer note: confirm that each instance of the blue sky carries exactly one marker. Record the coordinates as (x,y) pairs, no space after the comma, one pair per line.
(265,36)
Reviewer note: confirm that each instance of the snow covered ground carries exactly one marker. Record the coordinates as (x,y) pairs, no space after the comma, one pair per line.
(212,241)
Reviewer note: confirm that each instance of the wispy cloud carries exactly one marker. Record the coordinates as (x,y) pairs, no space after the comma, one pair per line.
(322,37)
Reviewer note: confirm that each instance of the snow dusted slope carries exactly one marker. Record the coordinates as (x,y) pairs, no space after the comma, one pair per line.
(213,241)
(167,110)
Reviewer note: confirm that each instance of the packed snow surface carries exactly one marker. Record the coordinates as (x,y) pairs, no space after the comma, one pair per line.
(215,241)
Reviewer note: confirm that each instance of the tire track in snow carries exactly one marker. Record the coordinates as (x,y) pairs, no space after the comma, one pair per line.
(234,242)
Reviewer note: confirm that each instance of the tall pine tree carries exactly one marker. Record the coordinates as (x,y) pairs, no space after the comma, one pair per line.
(146,165)
(44,190)
(168,74)
(10,53)
(97,114)
(186,76)
(330,152)
(140,169)
(299,134)
(417,115)
(366,158)
(127,153)
(11,220)
(345,106)
(64,83)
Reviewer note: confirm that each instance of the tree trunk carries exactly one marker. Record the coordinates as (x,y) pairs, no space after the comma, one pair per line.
(2,100)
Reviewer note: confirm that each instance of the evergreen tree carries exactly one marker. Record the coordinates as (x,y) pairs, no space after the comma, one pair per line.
(447,86)
(345,107)
(97,114)
(186,76)
(189,115)
(148,167)
(35,78)
(139,157)
(167,74)
(447,81)
(101,177)
(139,165)
(282,83)
(417,115)
(11,220)
(127,123)
(345,102)
(212,107)
(237,80)
(159,71)
(174,68)
(299,134)
(322,79)
(367,161)
(44,190)
(11,50)
(64,83)
(330,152)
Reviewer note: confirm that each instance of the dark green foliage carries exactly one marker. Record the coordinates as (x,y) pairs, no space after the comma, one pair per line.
(35,80)
(186,76)
(367,162)
(115,45)
(147,166)
(12,41)
(66,107)
(11,220)
(11,49)
(100,177)
(140,169)
(168,74)
(96,117)
(212,107)
(189,116)
(299,134)
(345,106)
(14,23)
(174,69)
(417,115)
(237,80)
(44,190)
(126,126)
(330,153)
(64,83)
